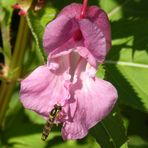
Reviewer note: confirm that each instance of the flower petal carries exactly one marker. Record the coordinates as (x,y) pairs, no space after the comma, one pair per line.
(79,51)
(58,32)
(99,17)
(94,14)
(86,54)
(95,98)
(66,48)
(94,39)
(72,11)
(45,87)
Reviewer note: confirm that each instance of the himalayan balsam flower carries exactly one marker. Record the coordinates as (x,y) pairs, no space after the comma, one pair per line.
(74,47)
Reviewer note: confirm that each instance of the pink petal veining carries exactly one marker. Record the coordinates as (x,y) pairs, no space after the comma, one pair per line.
(95,98)
(60,34)
(45,87)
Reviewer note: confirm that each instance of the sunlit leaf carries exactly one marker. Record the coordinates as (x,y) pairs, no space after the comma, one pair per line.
(127,62)
(137,141)
(7,4)
(101,72)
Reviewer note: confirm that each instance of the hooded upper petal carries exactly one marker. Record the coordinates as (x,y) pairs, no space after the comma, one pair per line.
(95,98)
(58,32)
(46,86)
(69,31)
(100,18)
(72,11)
(93,14)
(94,39)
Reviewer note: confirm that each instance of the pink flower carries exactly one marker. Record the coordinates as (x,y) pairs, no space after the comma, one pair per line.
(75,46)
(69,31)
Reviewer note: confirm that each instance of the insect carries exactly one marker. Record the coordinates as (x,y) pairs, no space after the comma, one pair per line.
(50,122)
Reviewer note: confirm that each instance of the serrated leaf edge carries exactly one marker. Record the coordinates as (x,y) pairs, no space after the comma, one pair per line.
(35,37)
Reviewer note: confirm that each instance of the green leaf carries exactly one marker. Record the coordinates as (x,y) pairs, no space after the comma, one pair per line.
(5,23)
(37,22)
(2,14)
(7,4)
(101,72)
(127,62)
(137,142)
(137,125)
(20,132)
(110,133)
(34,117)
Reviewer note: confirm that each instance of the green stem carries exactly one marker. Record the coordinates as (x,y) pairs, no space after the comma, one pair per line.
(5,29)
(8,85)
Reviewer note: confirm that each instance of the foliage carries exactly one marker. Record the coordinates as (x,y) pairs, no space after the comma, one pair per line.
(126,67)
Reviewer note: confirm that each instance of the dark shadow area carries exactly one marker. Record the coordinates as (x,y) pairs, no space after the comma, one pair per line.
(82,141)
(14,27)
(136,28)
(138,122)
(110,132)
(133,23)
(1,55)
(1,60)
(137,126)
(134,8)
(21,125)
(126,93)
(55,141)
(60,4)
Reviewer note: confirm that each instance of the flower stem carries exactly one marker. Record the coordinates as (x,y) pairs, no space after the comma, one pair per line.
(84,8)
(5,30)
(9,83)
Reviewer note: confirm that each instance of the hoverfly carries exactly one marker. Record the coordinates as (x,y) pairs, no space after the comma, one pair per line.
(50,122)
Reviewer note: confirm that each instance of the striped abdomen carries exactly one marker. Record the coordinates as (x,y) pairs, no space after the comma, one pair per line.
(47,128)
(50,122)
